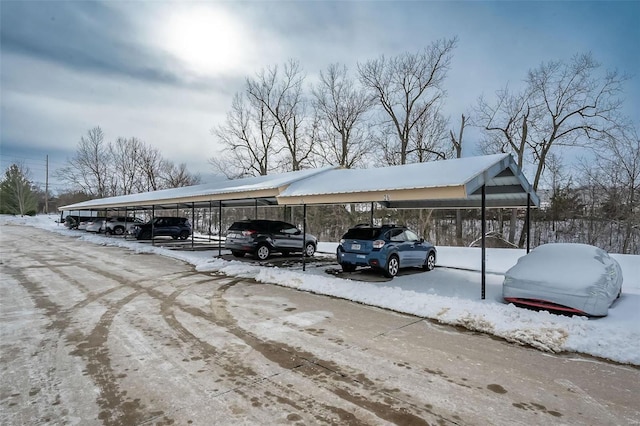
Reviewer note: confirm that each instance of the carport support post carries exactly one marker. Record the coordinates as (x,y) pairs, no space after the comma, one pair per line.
(153,215)
(371,223)
(193,221)
(484,246)
(256,212)
(126,216)
(304,237)
(220,229)
(528,222)
(209,222)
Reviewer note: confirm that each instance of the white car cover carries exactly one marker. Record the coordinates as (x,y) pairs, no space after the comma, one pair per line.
(578,276)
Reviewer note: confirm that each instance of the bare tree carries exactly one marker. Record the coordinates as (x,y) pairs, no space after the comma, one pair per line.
(125,159)
(456,143)
(577,105)
(341,109)
(408,87)
(505,123)
(560,185)
(175,176)
(248,140)
(150,163)
(88,168)
(617,165)
(506,126)
(280,92)
(563,104)
(429,141)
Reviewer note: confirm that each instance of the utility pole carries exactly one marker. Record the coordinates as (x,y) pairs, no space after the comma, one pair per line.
(46,189)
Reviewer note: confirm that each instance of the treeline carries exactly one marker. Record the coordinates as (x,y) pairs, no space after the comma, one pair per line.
(98,169)
(124,166)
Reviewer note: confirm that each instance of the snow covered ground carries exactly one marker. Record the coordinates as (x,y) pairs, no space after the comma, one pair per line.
(450,294)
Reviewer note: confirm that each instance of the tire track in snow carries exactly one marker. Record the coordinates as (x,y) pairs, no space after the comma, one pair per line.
(242,374)
(347,385)
(44,383)
(116,407)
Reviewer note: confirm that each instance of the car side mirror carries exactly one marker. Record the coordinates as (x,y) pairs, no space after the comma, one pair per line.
(298,232)
(421,240)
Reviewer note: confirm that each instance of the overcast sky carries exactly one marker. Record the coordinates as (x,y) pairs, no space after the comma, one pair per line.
(165,72)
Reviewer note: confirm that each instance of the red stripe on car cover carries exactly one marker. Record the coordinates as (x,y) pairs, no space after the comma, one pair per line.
(543,304)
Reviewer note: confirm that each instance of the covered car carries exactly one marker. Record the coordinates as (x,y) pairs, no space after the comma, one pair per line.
(574,278)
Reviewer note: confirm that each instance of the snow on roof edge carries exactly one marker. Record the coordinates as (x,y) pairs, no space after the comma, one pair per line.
(361,180)
(253,183)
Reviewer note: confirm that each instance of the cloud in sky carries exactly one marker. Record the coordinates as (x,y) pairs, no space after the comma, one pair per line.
(166,72)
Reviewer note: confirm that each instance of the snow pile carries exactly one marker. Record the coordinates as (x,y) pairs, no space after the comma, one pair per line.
(449,295)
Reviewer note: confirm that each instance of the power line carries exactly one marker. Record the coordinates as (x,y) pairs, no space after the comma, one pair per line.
(10,159)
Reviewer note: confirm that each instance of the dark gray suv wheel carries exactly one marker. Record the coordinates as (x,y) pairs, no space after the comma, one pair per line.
(310,249)
(263,252)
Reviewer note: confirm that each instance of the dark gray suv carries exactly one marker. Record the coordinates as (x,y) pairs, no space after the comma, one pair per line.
(263,237)
(174,227)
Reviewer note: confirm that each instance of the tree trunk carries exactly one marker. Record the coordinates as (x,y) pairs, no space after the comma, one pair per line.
(513,225)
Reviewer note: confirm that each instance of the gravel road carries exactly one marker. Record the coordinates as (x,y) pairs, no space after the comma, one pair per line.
(95,335)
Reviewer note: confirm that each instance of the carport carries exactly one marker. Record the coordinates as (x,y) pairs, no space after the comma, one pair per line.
(490,181)
(247,192)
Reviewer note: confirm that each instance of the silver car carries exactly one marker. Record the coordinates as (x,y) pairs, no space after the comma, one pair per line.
(118,225)
(95,225)
(572,278)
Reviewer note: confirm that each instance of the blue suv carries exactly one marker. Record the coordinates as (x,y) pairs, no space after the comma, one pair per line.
(386,248)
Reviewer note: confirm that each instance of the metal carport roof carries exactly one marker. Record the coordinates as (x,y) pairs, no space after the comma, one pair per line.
(237,192)
(441,184)
(453,183)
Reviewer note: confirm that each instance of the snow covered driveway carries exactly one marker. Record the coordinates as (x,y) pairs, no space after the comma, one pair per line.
(100,335)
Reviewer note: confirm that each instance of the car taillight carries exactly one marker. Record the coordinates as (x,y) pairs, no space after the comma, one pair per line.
(248,233)
(377,244)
